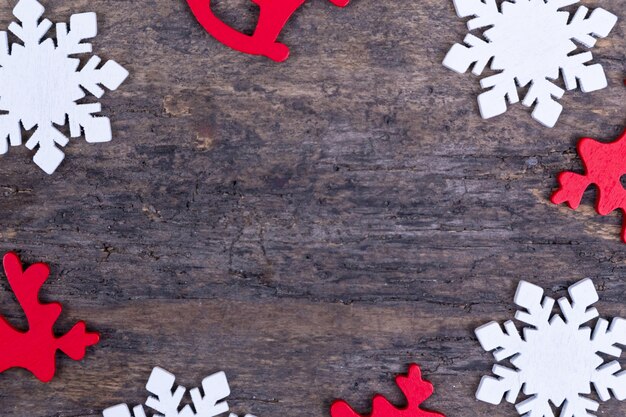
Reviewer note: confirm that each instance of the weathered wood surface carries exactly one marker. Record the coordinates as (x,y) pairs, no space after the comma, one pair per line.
(309,227)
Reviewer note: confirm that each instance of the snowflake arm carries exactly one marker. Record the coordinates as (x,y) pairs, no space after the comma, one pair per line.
(82,26)
(586,30)
(588,77)
(581,407)
(491,390)
(580,311)
(48,156)
(483,13)
(31,31)
(535,406)
(610,377)
(503,344)
(215,388)
(97,129)
(538,307)
(543,94)
(166,402)
(494,101)
(474,50)
(111,75)
(606,339)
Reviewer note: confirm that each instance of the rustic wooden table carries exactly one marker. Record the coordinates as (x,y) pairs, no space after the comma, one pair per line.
(310,227)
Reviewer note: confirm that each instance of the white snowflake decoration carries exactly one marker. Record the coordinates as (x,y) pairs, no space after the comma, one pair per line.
(167,402)
(557,358)
(40,83)
(530,42)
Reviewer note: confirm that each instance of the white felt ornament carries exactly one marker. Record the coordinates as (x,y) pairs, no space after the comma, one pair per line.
(530,42)
(166,402)
(556,358)
(41,84)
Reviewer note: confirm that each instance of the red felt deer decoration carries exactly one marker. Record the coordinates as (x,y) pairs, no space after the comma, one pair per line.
(35,348)
(415,389)
(273,16)
(605,163)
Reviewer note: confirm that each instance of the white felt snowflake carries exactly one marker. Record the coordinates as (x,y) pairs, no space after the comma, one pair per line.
(167,401)
(530,42)
(40,84)
(557,359)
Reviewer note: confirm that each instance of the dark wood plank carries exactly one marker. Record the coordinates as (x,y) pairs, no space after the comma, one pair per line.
(309,227)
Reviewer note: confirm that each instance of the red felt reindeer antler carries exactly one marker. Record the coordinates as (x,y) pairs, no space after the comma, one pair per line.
(35,349)
(273,17)
(605,163)
(415,389)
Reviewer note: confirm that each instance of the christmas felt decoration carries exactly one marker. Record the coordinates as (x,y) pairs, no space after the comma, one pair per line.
(414,388)
(41,84)
(530,43)
(557,357)
(605,163)
(273,16)
(35,348)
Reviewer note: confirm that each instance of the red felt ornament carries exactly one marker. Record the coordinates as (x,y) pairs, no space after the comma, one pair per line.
(604,163)
(273,16)
(35,348)
(415,389)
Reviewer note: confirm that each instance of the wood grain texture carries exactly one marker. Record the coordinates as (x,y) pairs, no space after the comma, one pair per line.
(309,227)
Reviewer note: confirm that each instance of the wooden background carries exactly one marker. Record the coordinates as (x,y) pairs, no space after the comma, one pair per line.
(310,227)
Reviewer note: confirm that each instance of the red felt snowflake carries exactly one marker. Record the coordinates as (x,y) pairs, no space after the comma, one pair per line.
(273,17)
(35,349)
(415,389)
(605,163)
